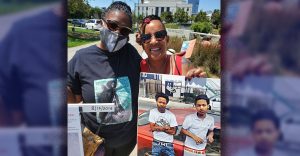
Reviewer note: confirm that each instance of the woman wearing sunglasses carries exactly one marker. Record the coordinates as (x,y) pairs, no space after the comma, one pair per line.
(154,39)
(109,73)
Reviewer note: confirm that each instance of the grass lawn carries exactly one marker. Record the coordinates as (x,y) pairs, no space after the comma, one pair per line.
(73,42)
(83,30)
(81,37)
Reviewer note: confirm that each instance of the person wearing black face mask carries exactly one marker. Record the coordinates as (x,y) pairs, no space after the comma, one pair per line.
(112,40)
(93,69)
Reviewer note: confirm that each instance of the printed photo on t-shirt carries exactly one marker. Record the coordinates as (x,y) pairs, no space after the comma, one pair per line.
(117,91)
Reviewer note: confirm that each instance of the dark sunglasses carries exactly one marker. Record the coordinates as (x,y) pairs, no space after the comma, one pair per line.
(159,36)
(113,26)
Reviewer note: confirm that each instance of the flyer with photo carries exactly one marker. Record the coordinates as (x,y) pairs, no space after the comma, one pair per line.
(181,94)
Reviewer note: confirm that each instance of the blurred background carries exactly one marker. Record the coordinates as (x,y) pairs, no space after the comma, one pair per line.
(259,68)
(32,77)
(260,71)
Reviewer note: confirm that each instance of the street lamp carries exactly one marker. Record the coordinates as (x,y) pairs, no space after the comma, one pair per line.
(137,17)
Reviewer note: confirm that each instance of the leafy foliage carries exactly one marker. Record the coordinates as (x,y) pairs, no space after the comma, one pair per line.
(216,18)
(167,17)
(201,17)
(95,12)
(205,56)
(208,57)
(181,16)
(203,27)
(81,9)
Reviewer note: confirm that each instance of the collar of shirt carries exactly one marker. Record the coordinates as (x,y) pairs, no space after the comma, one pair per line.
(195,116)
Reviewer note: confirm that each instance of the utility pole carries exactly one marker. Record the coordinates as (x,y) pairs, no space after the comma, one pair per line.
(137,21)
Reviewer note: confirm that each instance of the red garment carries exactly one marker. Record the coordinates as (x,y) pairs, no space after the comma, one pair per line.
(176,71)
(178,62)
(144,66)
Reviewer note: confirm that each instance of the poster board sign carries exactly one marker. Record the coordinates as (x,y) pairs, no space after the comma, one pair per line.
(75,144)
(188,47)
(182,94)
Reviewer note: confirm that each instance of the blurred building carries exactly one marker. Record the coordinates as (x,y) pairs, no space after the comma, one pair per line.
(195,4)
(156,7)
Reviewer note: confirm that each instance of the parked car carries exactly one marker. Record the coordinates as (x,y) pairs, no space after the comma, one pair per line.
(79,22)
(215,103)
(93,24)
(145,136)
(290,126)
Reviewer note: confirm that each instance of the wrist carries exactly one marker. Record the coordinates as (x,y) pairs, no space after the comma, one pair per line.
(160,128)
(193,137)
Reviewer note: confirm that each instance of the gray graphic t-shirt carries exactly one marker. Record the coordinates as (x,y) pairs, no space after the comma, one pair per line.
(117,91)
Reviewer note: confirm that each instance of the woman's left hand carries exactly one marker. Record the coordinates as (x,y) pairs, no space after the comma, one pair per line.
(196,72)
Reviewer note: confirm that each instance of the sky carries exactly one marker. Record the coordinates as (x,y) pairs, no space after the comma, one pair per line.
(203,4)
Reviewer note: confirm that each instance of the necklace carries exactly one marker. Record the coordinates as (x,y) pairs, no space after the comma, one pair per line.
(164,65)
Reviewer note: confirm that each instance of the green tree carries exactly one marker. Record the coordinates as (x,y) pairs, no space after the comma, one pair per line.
(216,18)
(163,16)
(201,17)
(167,17)
(181,16)
(95,12)
(134,18)
(203,27)
(140,18)
(78,9)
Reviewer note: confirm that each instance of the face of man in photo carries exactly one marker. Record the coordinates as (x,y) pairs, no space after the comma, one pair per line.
(161,104)
(201,107)
(265,135)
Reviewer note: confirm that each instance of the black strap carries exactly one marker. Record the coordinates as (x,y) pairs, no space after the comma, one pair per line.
(85,122)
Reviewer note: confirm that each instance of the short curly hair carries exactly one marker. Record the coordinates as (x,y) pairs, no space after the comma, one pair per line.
(202,97)
(163,95)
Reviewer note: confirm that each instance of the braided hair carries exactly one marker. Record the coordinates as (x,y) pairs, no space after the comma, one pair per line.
(118,6)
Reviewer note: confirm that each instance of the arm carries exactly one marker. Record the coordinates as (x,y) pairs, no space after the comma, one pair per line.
(155,127)
(210,136)
(170,130)
(74,93)
(72,98)
(194,137)
(166,129)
